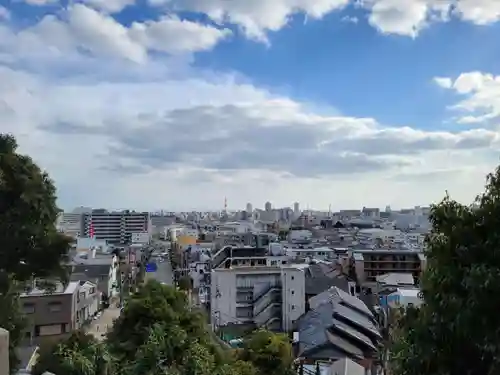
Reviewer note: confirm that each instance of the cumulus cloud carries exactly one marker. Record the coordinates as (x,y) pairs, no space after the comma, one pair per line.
(258,17)
(111,6)
(118,118)
(406,18)
(99,35)
(480,97)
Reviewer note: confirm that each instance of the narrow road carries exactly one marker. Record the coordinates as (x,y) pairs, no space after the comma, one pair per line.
(164,272)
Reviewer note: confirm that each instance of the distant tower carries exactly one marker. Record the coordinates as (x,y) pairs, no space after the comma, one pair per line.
(296,208)
(225,205)
(387,208)
(268,206)
(249,208)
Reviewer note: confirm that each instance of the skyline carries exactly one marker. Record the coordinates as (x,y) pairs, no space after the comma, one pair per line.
(180,103)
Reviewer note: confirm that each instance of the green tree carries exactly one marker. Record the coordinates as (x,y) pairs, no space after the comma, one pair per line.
(11,319)
(456,329)
(185,283)
(157,323)
(31,246)
(270,353)
(80,354)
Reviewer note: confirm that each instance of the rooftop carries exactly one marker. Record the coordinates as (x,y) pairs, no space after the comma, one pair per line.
(59,289)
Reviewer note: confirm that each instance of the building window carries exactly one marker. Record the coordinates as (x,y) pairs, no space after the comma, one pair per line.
(29,308)
(293,291)
(55,306)
(293,277)
(293,307)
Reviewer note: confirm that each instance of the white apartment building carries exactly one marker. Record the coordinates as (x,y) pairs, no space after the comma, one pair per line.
(70,223)
(115,227)
(271,297)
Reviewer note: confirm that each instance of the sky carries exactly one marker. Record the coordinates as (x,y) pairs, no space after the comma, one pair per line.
(178,104)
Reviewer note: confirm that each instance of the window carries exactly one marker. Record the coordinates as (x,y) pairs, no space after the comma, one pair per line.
(55,306)
(293,307)
(293,291)
(293,277)
(29,308)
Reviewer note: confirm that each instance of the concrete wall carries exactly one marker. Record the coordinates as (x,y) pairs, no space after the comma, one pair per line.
(4,351)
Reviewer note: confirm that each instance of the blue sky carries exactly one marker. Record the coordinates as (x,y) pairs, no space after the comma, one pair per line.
(254,101)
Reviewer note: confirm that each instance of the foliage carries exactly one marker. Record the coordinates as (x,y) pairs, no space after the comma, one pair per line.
(455,331)
(12,320)
(185,282)
(269,352)
(80,354)
(159,314)
(31,246)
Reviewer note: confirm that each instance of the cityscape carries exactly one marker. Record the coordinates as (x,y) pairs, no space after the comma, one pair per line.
(249,187)
(272,268)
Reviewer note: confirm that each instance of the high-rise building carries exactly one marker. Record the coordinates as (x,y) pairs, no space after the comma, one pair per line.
(249,208)
(296,208)
(115,227)
(268,206)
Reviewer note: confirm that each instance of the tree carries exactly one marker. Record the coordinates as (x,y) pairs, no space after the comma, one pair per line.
(185,283)
(269,352)
(31,246)
(12,320)
(158,333)
(455,330)
(80,354)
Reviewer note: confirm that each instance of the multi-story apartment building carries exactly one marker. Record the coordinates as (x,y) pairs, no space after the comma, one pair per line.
(115,227)
(70,223)
(251,285)
(369,264)
(271,297)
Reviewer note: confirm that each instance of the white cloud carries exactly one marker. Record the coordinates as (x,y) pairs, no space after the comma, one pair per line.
(40,2)
(4,13)
(400,17)
(349,19)
(444,82)
(154,133)
(190,142)
(83,28)
(111,6)
(256,17)
(481,97)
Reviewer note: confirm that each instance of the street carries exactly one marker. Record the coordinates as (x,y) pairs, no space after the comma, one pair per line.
(101,325)
(164,272)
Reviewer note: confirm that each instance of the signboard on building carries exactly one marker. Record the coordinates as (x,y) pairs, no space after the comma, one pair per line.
(151,267)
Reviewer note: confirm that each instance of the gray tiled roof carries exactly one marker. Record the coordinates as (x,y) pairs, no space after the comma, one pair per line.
(317,285)
(337,324)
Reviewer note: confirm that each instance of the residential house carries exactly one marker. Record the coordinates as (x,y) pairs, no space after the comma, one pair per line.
(338,326)
(88,301)
(100,271)
(50,314)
